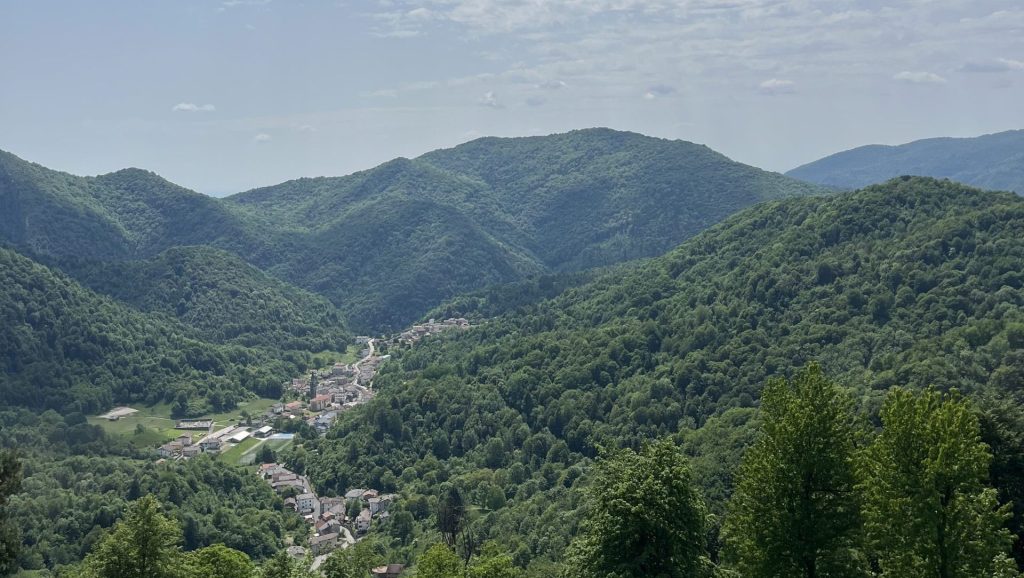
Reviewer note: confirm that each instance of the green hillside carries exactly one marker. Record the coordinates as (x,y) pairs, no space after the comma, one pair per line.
(993,161)
(389,243)
(915,282)
(596,197)
(68,348)
(222,297)
(126,214)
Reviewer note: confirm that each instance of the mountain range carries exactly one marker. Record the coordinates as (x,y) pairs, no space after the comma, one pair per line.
(387,244)
(993,161)
(633,289)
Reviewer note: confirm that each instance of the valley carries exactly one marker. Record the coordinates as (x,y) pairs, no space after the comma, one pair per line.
(512,289)
(487,429)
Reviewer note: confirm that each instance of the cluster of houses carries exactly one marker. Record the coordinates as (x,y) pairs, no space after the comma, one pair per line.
(332,526)
(338,388)
(183,447)
(179,448)
(432,327)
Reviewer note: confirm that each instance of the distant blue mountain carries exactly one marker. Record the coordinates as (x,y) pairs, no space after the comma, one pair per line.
(993,161)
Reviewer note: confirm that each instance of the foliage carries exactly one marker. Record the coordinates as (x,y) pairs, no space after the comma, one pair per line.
(795,511)
(1001,419)
(644,518)
(68,348)
(353,562)
(218,561)
(388,244)
(218,295)
(69,501)
(142,545)
(915,282)
(283,566)
(928,509)
(10,484)
(439,562)
(451,514)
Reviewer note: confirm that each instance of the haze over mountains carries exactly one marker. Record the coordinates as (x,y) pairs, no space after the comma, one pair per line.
(387,244)
(993,161)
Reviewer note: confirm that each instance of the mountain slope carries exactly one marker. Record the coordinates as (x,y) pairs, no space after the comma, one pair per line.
(67,348)
(126,214)
(222,297)
(994,161)
(497,210)
(387,244)
(914,282)
(596,197)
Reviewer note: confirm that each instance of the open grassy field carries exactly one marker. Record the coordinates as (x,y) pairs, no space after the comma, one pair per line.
(233,456)
(158,426)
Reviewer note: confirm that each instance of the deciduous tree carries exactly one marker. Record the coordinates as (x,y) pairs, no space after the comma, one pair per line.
(144,544)
(795,511)
(644,519)
(928,508)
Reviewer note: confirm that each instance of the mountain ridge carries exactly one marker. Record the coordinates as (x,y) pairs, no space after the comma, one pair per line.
(389,243)
(992,161)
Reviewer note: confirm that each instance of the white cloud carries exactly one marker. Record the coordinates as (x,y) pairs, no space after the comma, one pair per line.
(919,77)
(535,101)
(233,3)
(419,14)
(490,99)
(995,65)
(776,86)
(401,33)
(659,90)
(192,107)
(262,137)
(552,84)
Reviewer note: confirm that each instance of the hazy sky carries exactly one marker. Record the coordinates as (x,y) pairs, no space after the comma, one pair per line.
(222,96)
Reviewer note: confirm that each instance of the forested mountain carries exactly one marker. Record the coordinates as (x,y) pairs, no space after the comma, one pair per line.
(387,244)
(915,282)
(68,348)
(993,161)
(222,297)
(596,197)
(126,214)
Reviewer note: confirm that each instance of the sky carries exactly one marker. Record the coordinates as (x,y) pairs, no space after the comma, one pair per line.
(225,95)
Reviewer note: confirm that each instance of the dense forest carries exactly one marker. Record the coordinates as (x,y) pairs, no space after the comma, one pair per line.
(77,482)
(819,492)
(387,244)
(661,417)
(913,283)
(414,232)
(70,349)
(992,161)
(220,296)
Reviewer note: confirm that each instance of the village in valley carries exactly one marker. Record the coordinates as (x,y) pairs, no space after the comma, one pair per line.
(318,399)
